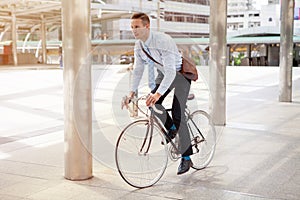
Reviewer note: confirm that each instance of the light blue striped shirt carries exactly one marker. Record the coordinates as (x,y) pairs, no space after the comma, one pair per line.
(164,50)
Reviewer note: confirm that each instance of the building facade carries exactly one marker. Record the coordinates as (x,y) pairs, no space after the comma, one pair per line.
(239,5)
(273,2)
(179,18)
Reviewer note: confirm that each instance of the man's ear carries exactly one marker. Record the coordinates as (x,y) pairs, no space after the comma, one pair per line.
(148,26)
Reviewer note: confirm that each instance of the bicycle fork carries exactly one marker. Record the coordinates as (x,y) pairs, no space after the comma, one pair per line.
(147,139)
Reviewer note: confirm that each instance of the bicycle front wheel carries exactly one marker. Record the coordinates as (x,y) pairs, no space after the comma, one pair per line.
(140,157)
(204,138)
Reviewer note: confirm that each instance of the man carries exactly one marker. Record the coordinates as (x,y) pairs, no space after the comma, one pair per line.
(162,48)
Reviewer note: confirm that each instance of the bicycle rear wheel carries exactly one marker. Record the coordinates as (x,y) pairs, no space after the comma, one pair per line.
(200,122)
(138,166)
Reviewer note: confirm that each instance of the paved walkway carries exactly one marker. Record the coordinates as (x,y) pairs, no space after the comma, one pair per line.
(257,157)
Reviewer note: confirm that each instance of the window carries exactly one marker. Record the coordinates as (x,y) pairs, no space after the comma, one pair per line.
(201,2)
(185,17)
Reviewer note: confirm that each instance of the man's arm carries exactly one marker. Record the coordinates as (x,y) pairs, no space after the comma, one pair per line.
(168,57)
(138,69)
(169,76)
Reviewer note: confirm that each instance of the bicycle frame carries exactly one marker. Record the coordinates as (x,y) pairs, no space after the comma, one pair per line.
(149,132)
(141,140)
(154,120)
(194,138)
(189,118)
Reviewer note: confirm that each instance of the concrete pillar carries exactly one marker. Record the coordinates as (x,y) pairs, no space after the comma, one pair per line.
(228,54)
(158,16)
(77,89)
(44,39)
(105,55)
(286,50)
(14,35)
(217,60)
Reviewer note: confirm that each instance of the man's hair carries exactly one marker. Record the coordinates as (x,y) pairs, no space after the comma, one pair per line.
(144,17)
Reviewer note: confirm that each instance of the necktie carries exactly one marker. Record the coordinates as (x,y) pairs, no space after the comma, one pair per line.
(151,75)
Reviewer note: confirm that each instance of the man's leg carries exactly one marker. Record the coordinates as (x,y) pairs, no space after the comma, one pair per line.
(182,89)
(165,118)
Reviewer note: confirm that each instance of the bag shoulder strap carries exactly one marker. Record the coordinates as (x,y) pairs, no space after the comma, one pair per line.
(149,56)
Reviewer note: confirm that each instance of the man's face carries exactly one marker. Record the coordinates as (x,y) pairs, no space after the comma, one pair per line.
(139,30)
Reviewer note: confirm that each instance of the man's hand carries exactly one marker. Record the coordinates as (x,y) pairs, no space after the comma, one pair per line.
(152,99)
(126,100)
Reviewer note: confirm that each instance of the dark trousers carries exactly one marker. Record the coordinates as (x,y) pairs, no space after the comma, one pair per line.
(181,87)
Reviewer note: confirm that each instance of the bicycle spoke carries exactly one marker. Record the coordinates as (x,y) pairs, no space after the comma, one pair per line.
(140,169)
(201,127)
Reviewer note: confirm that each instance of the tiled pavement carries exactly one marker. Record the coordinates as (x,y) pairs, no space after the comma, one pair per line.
(257,157)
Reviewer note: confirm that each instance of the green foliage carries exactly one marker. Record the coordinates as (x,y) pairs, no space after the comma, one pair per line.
(238,59)
(196,59)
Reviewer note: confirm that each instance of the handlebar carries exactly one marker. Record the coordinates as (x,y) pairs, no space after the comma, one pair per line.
(135,100)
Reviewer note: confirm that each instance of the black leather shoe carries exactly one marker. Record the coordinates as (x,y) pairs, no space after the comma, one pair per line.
(184,166)
(170,136)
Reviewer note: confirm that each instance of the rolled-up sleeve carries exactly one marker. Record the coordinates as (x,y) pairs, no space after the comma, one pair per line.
(168,55)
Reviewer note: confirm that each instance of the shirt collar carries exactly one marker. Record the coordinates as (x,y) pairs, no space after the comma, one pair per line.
(147,42)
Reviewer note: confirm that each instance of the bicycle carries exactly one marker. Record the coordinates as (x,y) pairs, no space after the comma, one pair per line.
(141,152)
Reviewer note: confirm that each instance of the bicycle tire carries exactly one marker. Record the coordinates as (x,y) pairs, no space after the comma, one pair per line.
(138,169)
(207,147)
